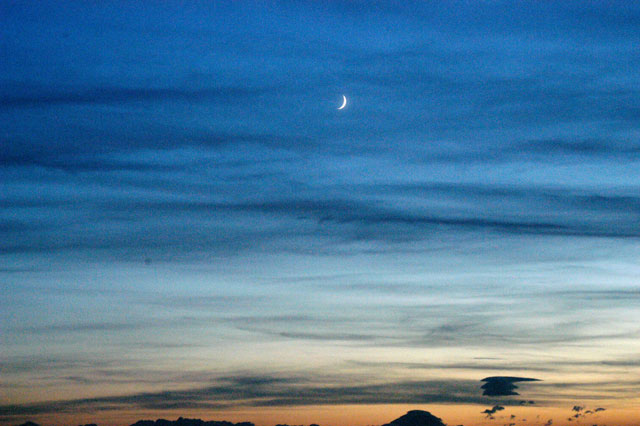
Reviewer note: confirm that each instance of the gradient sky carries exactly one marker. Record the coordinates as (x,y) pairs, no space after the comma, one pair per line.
(189,226)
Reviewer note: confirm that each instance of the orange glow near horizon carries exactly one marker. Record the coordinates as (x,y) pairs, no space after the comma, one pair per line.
(353,415)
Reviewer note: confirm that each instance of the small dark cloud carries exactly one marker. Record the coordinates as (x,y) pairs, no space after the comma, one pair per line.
(502,385)
(491,411)
(581,411)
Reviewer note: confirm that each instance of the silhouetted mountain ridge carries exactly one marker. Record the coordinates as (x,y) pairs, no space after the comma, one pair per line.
(188,422)
(417,418)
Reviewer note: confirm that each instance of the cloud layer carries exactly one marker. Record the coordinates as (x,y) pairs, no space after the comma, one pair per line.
(266,391)
(178,176)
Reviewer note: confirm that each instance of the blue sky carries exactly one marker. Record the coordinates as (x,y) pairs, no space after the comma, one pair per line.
(184,207)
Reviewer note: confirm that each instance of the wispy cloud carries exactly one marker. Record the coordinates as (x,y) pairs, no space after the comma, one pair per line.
(341,219)
(262,391)
(32,96)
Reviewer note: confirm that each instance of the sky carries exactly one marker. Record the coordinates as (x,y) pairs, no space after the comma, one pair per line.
(190,226)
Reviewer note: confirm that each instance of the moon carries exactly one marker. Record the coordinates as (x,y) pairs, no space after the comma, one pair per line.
(344,102)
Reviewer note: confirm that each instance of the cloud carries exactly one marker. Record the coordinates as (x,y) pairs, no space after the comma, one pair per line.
(341,220)
(491,411)
(160,148)
(267,391)
(32,96)
(77,327)
(328,336)
(581,411)
(485,366)
(586,147)
(106,326)
(503,385)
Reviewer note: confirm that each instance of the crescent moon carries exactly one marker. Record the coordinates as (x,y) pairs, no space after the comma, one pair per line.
(344,102)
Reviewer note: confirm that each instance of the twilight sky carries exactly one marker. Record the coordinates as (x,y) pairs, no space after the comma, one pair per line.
(188,225)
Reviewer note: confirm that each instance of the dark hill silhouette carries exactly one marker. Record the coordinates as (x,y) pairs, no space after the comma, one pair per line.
(30,423)
(180,422)
(188,422)
(416,418)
